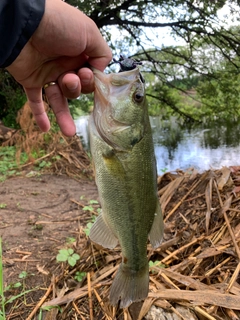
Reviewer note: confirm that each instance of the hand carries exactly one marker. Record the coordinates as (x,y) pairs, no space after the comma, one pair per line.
(65,40)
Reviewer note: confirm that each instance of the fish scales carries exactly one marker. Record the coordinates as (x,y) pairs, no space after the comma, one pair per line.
(125,172)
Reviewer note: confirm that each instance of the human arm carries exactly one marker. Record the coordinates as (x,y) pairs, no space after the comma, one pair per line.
(63,42)
(18,21)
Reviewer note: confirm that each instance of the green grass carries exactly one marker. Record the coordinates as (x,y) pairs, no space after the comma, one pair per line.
(8,163)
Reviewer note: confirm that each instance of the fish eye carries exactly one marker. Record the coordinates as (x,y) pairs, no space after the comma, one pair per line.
(138,97)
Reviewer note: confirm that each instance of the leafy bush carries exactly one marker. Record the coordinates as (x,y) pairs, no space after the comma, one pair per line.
(12,98)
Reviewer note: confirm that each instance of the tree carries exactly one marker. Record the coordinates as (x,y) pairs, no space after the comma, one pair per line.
(206,50)
(12,98)
(207,44)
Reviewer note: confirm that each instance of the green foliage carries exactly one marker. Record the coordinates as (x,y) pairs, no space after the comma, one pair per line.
(16,297)
(44,164)
(202,59)
(221,96)
(93,202)
(4,301)
(81,106)
(48,308)
(79,276)
(192,95)
(89,225)
(68,255)
(89,207)
(155,264)
(88,228)
(70,240)
(23,275)
(8,163)
(12,98)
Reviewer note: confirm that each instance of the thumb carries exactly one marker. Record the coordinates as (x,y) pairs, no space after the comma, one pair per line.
(36,104)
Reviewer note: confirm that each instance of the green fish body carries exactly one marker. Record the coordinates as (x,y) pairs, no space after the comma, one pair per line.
(125,171)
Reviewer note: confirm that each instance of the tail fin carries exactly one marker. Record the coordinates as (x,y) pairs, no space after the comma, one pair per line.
(129,286)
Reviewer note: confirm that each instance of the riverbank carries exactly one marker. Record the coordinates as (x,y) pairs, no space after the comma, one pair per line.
(194,274)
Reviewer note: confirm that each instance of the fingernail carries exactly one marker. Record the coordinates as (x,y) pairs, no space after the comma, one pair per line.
(72,86)
(85,81)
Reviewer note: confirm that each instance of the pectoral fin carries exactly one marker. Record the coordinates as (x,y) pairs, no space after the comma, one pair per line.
(102,234)
(156,233)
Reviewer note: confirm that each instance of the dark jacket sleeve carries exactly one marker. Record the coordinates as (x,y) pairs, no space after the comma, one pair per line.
(18,21)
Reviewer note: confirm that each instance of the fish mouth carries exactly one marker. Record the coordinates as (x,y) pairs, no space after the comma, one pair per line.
(109,90)
(112,85)
(119,81)
(130,74)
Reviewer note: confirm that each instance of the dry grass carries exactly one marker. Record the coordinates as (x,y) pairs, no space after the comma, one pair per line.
(198,261)
(68,153)
(197,265)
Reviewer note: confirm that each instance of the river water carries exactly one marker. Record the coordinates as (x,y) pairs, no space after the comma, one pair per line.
(178,146)
(202,146)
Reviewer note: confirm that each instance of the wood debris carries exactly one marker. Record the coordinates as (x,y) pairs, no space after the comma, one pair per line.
(195,272)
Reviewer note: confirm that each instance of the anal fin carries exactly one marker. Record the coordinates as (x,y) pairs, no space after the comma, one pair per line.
(102,234)
(156,232)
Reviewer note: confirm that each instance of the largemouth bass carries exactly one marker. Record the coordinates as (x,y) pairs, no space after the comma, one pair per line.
(125,172)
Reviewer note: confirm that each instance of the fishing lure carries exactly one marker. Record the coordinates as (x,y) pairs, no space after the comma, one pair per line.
(127,64)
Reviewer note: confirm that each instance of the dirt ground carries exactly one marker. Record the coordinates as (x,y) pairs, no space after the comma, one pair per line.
(37,217)
(197,266)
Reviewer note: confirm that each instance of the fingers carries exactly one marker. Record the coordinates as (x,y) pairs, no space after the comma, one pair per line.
(97,49)
(73,85)
(87,80)
(70,85)
(36,104)
(59,105)
(100,63)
